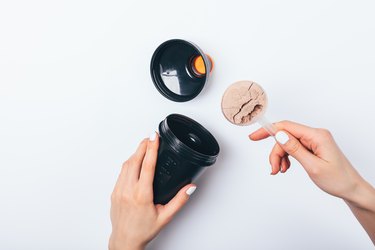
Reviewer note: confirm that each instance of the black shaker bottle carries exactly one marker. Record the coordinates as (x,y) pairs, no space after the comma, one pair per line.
(186,149)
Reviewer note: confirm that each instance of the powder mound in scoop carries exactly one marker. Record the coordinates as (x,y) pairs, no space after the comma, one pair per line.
(243,102)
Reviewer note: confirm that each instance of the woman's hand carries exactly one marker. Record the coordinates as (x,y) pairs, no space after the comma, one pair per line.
(326,165)
(318,153)
(135,218)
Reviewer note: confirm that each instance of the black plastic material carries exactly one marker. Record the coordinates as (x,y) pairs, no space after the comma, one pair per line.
(186,149)
(172,72)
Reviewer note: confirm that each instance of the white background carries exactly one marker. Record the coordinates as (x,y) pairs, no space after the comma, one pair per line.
(76,97)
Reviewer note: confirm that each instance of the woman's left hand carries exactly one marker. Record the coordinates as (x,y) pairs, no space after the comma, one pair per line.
(136,220)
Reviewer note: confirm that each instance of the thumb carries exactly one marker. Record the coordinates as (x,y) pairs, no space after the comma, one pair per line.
(173,206)
(293,147)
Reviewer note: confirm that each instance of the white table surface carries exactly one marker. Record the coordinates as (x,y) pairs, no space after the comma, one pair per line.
(76,97)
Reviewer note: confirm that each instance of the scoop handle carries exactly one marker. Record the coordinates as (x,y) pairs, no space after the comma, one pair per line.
(269,127)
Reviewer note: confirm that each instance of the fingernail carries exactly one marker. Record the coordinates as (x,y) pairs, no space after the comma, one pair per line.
(282,137)
(152,136)
(190,190)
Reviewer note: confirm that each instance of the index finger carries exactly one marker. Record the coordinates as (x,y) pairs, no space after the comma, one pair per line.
(297,130)
(149,162)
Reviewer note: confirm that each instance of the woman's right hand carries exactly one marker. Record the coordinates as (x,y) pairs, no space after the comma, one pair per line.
(326,165)
(318,153)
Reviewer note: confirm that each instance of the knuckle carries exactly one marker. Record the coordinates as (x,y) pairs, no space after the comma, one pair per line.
(324,135)
(141,198)
(138,197)
(282,124)
(316,131)
(131,161)
(292,147)
(146,169)
(151,147)
(144,141)
(126,164)
(125,197)
(315,172)
(182,198)
(325,132)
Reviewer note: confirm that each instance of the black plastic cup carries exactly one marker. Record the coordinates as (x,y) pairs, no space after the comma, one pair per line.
(186,149)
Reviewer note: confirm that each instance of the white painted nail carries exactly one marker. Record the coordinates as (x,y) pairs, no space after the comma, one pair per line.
(282,137)
(190,190)
(152,136)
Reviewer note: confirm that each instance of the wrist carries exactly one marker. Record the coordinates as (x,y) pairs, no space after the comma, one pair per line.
(115,244)
(126,247)
(362,196)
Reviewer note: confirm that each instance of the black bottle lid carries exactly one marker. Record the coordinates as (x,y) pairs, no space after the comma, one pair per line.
(180,69)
